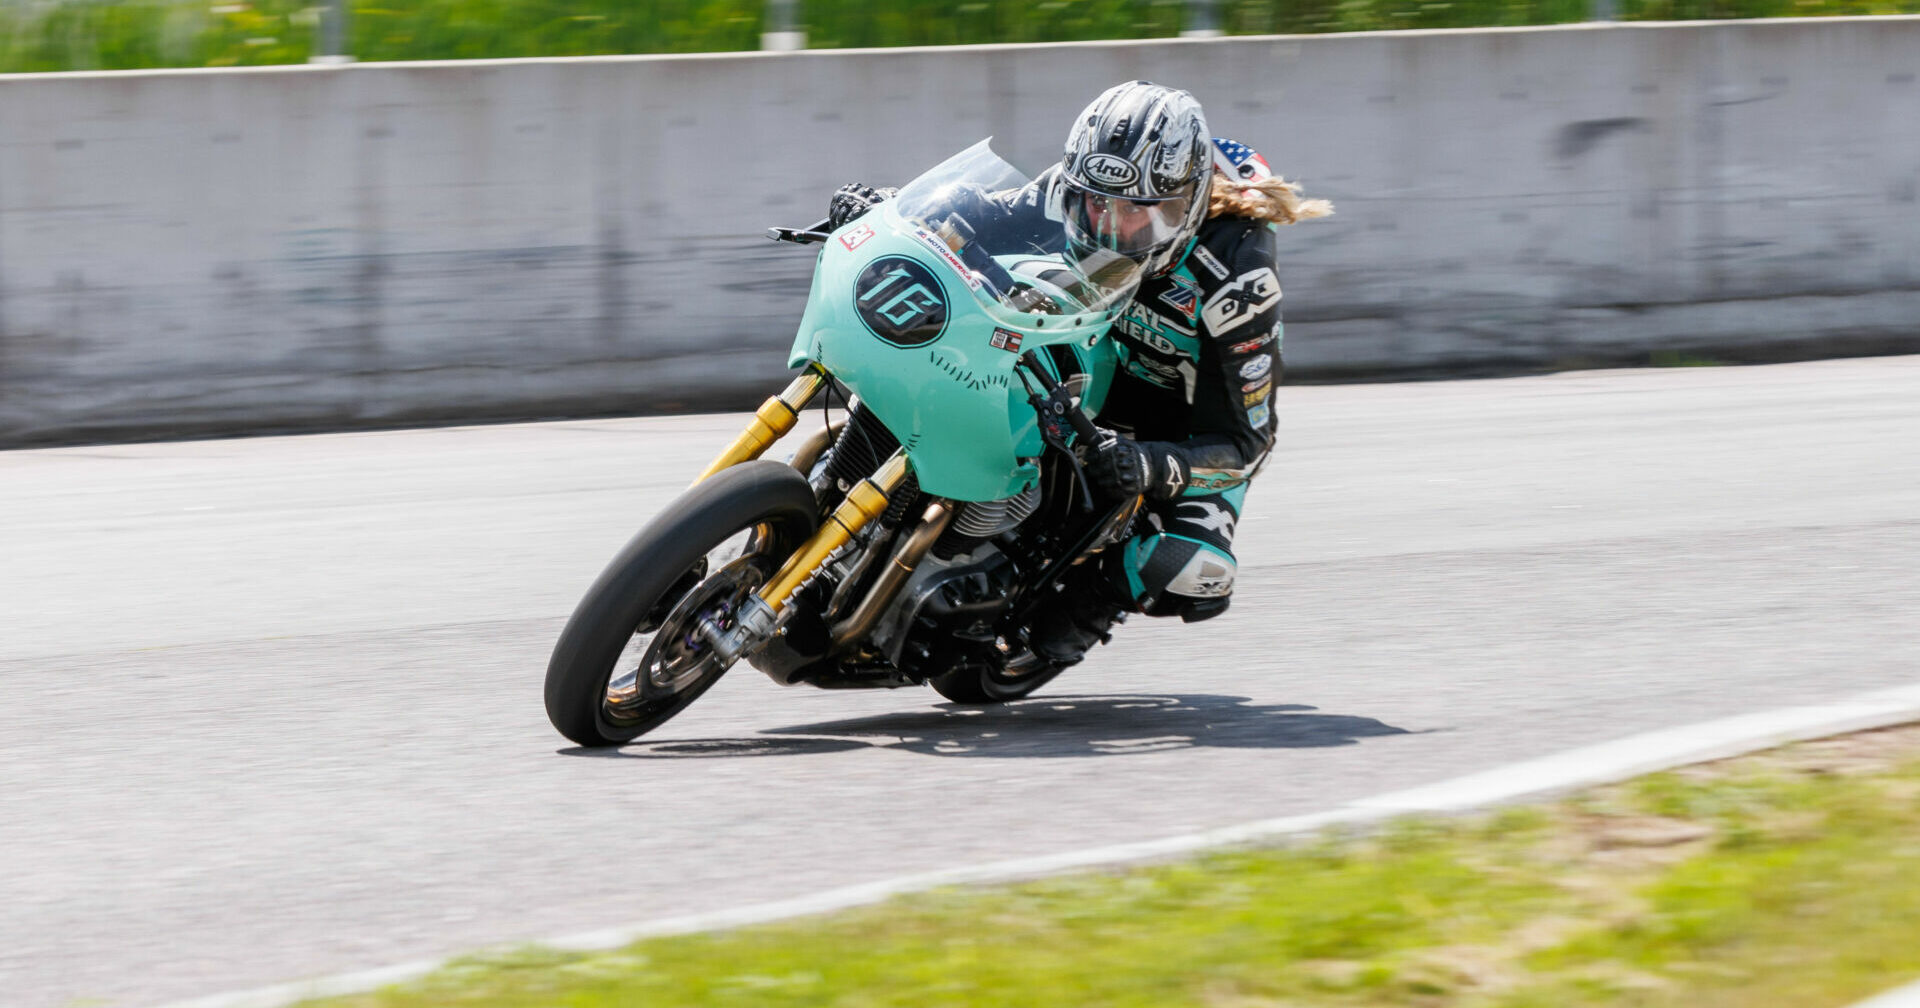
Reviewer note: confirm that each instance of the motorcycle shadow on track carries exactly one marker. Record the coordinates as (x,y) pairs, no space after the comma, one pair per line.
(1051,726)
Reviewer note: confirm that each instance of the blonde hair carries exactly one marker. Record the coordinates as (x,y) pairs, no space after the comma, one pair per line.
(1269,199)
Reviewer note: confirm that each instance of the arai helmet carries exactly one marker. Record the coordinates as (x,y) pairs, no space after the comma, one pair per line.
(1136,174)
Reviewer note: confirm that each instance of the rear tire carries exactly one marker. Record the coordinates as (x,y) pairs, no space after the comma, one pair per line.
(587,697)
(991,684)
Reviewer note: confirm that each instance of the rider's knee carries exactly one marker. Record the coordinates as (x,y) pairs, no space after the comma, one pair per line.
(1199,591)
(1207,574)
(1181,577)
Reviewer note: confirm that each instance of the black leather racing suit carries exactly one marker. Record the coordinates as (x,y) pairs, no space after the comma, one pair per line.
(1199,350)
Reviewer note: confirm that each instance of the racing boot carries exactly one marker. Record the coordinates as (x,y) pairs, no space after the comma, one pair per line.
(1076,619)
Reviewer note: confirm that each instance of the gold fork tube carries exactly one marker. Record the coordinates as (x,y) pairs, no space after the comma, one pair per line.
(865,502)
(772,421)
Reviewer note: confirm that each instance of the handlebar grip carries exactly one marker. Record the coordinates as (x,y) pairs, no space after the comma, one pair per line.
(1084,426)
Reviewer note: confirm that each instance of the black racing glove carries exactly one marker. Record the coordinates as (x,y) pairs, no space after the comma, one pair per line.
(852,200)
(1122,467)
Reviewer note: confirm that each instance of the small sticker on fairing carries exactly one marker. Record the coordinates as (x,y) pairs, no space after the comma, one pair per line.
(939,248)
(856,237)
(1006,339)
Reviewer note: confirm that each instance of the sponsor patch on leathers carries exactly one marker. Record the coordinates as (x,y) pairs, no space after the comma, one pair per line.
(1244,299)
(1205,258)
(1251,345)
(1184,297)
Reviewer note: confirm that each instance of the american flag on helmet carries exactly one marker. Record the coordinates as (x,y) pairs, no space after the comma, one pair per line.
(1239,161)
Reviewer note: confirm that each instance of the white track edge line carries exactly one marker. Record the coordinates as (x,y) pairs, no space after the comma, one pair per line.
(1899,997)
(1601,764)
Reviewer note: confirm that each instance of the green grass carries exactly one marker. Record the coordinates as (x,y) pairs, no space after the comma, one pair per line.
(1789,880)
(52,35)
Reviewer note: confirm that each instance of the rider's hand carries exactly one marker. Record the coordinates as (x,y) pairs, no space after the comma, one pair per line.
(1028,298)
(852,200)
(1122,467)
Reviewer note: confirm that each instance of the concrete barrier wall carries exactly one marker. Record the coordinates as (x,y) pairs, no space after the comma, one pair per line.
(226,251)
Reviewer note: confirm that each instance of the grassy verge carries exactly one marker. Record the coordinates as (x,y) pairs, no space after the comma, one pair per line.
(1785,879)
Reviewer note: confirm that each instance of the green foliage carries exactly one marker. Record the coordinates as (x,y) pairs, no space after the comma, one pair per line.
(49,35)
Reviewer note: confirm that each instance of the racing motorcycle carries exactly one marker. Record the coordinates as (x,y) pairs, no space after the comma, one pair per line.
(909,540)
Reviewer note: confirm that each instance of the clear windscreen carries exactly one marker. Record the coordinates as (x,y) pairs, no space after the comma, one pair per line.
(1002,233)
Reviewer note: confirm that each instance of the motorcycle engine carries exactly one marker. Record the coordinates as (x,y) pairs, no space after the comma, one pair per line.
(978,521)
(948,612)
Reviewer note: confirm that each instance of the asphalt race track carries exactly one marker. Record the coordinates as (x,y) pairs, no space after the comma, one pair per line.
(271,708)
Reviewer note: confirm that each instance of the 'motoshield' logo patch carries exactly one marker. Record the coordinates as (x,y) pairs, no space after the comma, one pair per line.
(901,301)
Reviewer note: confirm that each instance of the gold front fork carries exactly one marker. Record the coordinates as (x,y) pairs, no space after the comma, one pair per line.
(865,502)
(772,421)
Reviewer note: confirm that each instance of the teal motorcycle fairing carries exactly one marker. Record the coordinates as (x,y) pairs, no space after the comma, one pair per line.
(916,310)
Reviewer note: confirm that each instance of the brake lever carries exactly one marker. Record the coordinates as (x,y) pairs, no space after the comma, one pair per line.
(819,231)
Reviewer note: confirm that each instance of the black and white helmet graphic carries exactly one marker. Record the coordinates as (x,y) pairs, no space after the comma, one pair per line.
(1137,171)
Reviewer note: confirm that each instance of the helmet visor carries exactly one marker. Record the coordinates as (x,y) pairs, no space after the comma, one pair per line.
(1131,226)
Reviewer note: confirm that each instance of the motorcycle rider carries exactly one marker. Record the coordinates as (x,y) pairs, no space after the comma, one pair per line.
(1198,346)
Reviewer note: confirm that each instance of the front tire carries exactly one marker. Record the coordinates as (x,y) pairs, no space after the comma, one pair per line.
(645,604)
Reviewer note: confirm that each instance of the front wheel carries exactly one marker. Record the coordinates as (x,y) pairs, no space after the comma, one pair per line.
(632,655)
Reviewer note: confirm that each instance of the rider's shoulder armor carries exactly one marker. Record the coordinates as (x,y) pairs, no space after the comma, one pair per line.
(1232,261)
(1233,257)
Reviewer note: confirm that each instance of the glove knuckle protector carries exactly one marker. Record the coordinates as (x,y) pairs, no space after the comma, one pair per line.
(852,200)
(1126,468)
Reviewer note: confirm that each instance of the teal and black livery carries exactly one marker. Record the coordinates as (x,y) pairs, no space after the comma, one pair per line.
(927,330)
